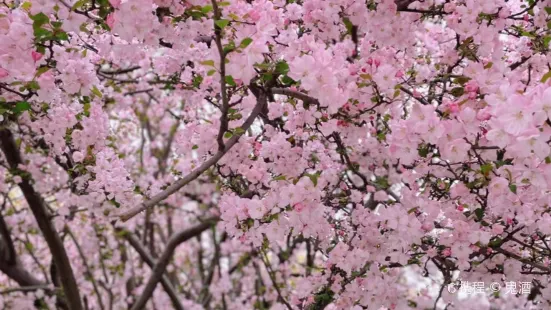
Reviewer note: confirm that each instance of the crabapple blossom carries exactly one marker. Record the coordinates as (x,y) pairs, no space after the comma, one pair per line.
(339,154)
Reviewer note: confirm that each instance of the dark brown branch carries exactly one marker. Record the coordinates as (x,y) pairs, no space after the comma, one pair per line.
(42,216)
(9,264)
(87,266)
(295,94)
(150,261)
(261,102)
(225,102)
(164,260)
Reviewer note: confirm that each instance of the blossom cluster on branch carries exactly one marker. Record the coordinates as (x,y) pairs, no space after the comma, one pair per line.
(283,154)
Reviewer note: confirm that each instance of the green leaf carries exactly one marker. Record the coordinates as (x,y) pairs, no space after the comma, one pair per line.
(62,36)
(29,246)
(245,42)
(230,47)
(211,72)
(230,81)
(228,135)
(548,10)
(280,178)
(197,80)
(78,4)
(208,63)
(287,80)
(545,77)
(86,109)
(546,40)
(56,24)
(195,147)
(115,203)
(513,188)
(206,9)
(39,20)
(239,131)
(42,34)
(224,3)
(314,178)
(21,107)
(495,242)
(349,25)
(221,23)
(282,68)
(96,92)
(457,91)
(479,213)
(486,168)
(33,85)
(461,80)
(548,160)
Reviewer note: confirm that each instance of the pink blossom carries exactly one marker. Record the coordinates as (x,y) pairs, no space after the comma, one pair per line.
(36,55)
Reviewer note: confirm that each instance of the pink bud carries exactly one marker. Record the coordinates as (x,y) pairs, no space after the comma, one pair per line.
(36,56)
(416,94)
(471,86)
(298,207)
(447,252)
(399,74)
(377,62)
(110,21)
(3,73)
(254,15)
(526,17)
(453,107)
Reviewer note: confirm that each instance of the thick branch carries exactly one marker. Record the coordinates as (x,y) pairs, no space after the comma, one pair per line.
(223,92)
(87,266)
(261,102)
(150,261)
(9,264)
(38,207)
(161,265)
(295,94)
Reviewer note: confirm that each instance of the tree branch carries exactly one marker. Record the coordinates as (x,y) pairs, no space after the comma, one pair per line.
(9,264)
(223,92)
(88,269)
(261,102)
(40,212)
(295,94)
(164,260)
(150,261)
